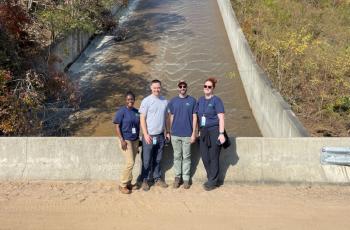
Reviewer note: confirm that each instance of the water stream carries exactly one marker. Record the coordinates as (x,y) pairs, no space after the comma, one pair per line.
(168,40)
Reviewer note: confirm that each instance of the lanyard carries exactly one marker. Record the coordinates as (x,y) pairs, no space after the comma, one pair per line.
(206,105)
(133,119)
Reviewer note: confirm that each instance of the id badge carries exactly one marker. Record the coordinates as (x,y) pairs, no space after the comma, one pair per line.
(133,130)
(203,120)
(154,140)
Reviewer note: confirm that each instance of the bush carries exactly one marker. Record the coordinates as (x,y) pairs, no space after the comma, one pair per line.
(87,15)
(303,45)
(20,101)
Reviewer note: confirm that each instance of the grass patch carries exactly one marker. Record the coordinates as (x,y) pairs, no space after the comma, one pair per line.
(304,46)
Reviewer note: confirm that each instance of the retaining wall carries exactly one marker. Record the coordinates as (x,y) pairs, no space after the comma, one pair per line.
(68,48)
(262,160)
(273,115)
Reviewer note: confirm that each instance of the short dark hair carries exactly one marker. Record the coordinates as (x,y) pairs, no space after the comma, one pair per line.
(129,93)
(156,81)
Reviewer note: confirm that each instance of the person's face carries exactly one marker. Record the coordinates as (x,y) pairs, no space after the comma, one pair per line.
(208,87)
(182,89)
(129,100)
(155,88)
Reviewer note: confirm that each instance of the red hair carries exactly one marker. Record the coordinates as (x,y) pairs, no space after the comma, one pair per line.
(212,80)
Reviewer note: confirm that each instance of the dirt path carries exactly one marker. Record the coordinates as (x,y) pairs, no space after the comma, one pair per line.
(99,205)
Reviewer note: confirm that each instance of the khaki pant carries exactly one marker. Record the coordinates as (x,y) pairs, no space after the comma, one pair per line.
(130,155)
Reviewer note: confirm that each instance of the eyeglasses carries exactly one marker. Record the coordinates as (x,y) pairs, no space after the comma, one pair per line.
(182,87)
(208,86)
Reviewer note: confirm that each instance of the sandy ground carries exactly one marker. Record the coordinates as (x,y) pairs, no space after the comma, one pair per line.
(99,205)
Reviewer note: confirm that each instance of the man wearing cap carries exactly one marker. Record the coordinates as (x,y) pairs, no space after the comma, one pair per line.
(183,120)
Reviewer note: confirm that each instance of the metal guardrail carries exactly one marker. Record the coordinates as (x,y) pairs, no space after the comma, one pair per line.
(335,156)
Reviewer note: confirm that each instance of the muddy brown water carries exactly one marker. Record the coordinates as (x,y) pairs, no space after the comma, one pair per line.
(168,40)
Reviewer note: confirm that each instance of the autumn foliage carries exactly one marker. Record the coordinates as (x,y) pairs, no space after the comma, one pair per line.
(13,19)
(27,94)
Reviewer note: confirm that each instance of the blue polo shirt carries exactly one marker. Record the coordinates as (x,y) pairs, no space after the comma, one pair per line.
(127,120)
(210,109)
(183,110)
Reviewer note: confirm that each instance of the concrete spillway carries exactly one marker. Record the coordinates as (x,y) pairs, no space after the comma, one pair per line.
(168,40)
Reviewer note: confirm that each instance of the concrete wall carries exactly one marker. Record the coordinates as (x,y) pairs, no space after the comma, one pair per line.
(273,115)
(68,49)
(286,160)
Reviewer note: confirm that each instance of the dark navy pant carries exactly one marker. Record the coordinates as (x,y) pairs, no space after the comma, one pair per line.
(210,151)
(151,157)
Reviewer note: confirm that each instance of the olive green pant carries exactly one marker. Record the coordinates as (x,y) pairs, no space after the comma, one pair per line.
(182,156)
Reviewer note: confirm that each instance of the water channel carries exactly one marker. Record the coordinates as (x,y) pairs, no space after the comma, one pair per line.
(168,40)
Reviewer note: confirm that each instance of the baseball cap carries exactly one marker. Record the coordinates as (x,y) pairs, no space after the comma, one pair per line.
(182,82)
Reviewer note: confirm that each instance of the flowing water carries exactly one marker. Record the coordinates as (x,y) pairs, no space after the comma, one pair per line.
(170,40)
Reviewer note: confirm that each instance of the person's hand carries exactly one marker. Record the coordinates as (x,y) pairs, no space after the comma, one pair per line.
(222,138)
(193,138)
(148,138)
(124,144)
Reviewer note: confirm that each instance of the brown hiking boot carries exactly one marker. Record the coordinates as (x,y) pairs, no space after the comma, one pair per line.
(161,183)
(135,186)
(124,190)
(187,185)
(145,185)
(177,182)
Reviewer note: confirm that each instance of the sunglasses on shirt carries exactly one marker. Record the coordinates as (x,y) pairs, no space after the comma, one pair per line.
(208,86)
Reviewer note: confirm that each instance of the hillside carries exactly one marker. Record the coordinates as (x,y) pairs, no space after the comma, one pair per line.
(30,86)
(304,46)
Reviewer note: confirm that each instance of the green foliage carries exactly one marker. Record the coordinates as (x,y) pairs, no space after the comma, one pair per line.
(340,105)
(87,15)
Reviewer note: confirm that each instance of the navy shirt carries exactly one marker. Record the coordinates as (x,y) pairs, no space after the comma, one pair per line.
(183,110)
(127,120)
(210,109)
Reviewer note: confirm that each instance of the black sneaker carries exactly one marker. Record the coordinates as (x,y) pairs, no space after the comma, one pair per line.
(161,183)
(208,187)
(135,186)
(177,182)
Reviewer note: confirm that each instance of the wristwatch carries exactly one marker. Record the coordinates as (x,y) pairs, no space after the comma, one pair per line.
(221,132)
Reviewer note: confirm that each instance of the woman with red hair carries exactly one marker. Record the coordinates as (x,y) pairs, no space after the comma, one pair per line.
(210,111)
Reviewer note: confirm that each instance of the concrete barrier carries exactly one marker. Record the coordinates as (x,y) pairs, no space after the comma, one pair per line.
(261,160)
(273,115)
